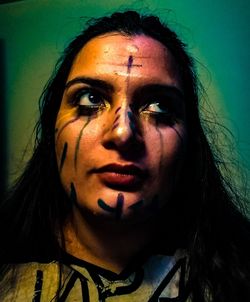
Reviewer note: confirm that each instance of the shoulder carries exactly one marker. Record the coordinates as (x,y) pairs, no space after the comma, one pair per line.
(28,280)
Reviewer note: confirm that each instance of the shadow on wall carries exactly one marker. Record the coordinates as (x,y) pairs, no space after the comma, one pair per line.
(3,143)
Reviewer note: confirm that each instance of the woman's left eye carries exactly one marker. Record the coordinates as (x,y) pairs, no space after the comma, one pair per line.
(156,107)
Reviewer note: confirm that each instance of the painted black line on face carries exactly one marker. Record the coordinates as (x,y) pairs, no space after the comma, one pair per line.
(78,143)
(117,110)
(161,143)
(129,67)
(117,211)
(117,117)
(130,64)
(64,126)
(179,135)
(73,196)
(116,122)
(132,123)
(64,153)
(137,205)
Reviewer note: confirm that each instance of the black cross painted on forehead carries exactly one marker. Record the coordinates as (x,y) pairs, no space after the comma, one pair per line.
(130,64)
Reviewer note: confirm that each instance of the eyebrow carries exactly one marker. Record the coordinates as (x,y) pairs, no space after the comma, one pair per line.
(92,82)
(101,84)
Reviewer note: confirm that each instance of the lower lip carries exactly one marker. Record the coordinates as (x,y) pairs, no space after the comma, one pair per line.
(125,181)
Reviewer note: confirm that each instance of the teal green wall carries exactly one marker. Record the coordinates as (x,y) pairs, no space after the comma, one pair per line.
(34,33)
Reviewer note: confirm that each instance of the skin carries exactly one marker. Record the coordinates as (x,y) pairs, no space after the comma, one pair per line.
(131,123)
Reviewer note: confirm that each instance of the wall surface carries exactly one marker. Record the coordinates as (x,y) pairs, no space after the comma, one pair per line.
(33,33)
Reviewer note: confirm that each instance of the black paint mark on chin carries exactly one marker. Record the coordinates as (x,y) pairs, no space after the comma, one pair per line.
(73,196)
(104,206)
(64,153)
(78,142)
(117,211)
(136,206)
(119,205)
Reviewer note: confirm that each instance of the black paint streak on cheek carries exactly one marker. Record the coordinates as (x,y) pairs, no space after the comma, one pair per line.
(64,126)
(161,143)
(78,143)
(178,134)
(64,153)
(137,205)
(73,196)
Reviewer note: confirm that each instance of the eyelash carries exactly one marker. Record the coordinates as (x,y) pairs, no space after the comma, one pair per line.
(168,116)
(88,109)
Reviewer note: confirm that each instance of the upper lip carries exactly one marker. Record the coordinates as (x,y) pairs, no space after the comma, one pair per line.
(129,169)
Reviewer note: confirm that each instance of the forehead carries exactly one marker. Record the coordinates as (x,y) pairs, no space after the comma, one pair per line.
(114,52)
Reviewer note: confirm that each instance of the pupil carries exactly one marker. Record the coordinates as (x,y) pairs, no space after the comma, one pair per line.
(94,98)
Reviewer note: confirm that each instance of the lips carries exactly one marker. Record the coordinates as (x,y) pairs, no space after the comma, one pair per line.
(122,177)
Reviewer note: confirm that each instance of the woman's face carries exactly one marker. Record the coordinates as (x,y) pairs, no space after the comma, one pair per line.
(120,130)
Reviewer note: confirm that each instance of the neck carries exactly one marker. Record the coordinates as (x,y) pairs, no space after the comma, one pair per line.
(110,245)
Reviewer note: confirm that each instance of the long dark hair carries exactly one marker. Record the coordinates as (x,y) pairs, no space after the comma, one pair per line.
(207,220)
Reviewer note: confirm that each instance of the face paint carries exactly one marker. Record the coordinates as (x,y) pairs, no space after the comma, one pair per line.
(78,143)
(130,63)
(131,122)
(64,153)
(137,205)
(122,116)
(117,116)
(64,126)
(117,211)
(73,196)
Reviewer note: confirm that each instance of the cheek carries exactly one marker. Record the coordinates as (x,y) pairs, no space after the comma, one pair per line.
(167,151)
(75,146)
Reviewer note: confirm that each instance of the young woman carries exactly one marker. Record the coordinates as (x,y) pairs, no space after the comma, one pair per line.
(123,198)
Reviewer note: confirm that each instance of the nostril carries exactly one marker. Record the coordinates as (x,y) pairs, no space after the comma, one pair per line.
(132,149)
(124,133)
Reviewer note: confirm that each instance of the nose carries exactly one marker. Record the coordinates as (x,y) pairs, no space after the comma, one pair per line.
(123,132)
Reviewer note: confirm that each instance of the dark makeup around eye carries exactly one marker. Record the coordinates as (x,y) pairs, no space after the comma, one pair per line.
(168,96)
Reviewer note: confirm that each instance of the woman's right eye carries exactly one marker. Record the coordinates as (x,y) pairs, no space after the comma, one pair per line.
(89,102)
(90,99)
